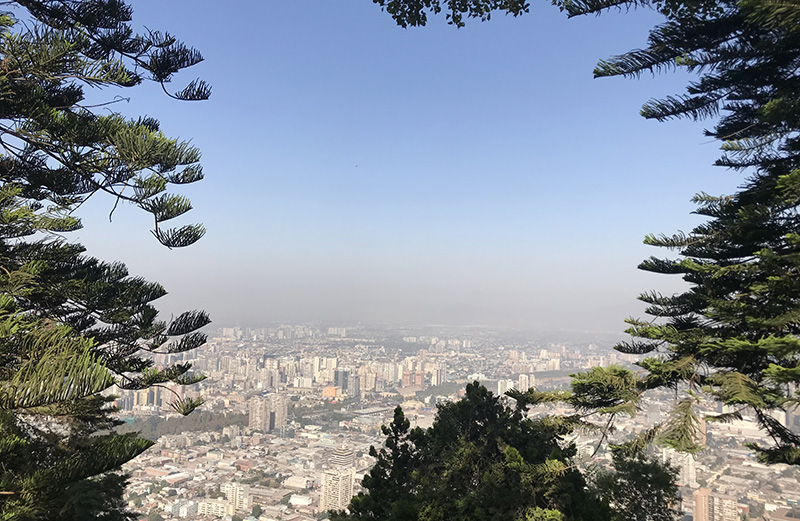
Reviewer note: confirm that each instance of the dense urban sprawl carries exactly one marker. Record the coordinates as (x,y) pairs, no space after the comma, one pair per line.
(291,412)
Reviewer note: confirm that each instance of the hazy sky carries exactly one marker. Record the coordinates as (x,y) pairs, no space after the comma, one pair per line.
(359,171)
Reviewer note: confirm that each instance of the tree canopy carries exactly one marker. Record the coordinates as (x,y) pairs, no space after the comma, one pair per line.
(483,458)
(415,12)
(72,326)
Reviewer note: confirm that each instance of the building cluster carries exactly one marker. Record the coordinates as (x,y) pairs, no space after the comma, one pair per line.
(306,404)
(215,476)
(268,413)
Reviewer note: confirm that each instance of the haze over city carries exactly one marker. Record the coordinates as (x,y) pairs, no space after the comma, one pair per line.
(421,251)
(357,171)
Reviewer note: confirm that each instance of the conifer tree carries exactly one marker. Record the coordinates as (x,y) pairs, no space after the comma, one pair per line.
(72,326)
(638,488)
(733,335)
(481,459)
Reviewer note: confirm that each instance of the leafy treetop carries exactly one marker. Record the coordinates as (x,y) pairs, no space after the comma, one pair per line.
(484,459)
(415,12)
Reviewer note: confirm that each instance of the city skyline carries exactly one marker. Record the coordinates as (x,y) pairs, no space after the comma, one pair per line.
(409,286)
(293,411)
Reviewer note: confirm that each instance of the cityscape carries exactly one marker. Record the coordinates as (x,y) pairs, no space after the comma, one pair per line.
(369,260)
(291,412)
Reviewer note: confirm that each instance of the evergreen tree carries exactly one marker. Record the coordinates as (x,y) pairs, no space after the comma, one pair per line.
(392,491)
(72,326)
(638,488)
(481,459)
(734,334)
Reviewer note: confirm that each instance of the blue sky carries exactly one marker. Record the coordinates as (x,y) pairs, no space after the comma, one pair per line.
(357,171)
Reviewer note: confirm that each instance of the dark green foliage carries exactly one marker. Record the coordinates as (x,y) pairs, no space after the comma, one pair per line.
(606,390)
(733,335)
(71,326)
(153,427)
(56,150)
(390,481)
(481,459)
(639,488)
(415,12)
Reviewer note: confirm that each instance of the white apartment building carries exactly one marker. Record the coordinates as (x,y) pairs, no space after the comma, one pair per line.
(337,488)
(237,495)
(215,507)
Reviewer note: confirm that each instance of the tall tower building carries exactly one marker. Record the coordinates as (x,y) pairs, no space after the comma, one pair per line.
(337,488)
(503,386)
(554,364)
(791,412)
(237,495)
(723,508)
(685,463)
(278,407)
(268,413)
(702,432)
(343,457)
(257,409)
(701,504)
(341,378)
(354,390)
(713,507)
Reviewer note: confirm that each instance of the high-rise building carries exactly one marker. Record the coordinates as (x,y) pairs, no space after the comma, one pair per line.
(369,381)
(701,504)
(337,331)
(308,367)
(554,364)
(714,507)
(503,386)
(724,508)
(437,374)
(791,412)
(231,431)
(237,495)
(337,488)
(341,378)
(702,432)
(268,413)
(343,457)
(258,411)
(215,507)
(278,411)
(685,463)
